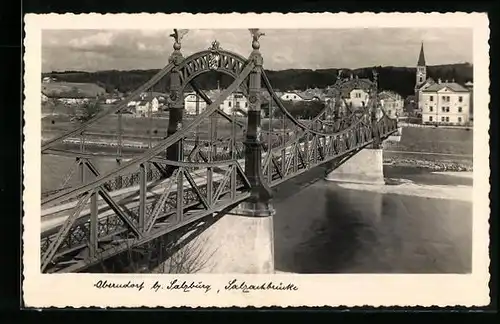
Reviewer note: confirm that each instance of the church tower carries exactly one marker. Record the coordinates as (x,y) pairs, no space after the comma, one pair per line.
(421,75)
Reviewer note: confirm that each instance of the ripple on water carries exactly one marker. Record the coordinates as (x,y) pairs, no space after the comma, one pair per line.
(328,229)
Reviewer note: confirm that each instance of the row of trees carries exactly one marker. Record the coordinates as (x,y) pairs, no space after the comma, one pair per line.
(399,79)
(79,113)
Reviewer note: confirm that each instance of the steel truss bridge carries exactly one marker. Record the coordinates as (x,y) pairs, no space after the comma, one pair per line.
(181,183)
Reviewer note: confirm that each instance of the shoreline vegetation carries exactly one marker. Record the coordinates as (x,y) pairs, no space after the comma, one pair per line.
(432,161)
(441,166)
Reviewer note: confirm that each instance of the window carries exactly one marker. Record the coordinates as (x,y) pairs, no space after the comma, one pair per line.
(447,119)
(430,109)
(443,109)
(430,118)
(286,96)
(460,99)
(246,104)
(431,98)
(459,119)
(389,112)
(229,104)
(447,110)
(420,79)
(459,109)
(442,119)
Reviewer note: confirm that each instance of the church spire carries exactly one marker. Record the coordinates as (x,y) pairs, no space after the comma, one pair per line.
(421,57)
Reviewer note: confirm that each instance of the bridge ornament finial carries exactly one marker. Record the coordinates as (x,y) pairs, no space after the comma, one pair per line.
(339,75)
(177,36)
(176,56)
(214,56)
(215,47)
(375,78)
(256,34)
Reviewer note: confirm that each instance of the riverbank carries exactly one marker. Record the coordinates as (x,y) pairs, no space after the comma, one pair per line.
(433,165)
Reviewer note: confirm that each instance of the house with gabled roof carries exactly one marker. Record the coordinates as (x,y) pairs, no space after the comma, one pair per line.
(293,96)
(446,103)
(392,103)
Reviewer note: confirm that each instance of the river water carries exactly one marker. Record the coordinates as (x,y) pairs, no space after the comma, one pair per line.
(413,225)
(328,228)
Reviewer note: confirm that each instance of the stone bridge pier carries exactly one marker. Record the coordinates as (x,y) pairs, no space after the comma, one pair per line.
(365,167)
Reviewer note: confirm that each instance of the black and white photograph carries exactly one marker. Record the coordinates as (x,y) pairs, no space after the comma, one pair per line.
(175,153)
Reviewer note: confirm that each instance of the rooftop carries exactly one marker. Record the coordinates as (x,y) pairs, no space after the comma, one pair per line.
(453,86)
(421,56)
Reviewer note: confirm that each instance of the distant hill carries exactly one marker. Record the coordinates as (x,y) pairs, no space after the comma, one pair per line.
(60,89)
(399,79)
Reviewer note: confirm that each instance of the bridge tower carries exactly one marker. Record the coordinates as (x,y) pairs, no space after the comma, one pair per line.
(366,166)
(205,199)
(176,107)
(258,205)
(242,240)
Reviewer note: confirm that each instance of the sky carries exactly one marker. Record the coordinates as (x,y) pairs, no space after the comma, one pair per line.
(94,50)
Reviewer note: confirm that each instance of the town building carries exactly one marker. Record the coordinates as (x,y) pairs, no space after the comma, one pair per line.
(191,101)
(144,107)
(236,102)
(470,86)
(291,96)
(147,101)
(355,92)
(392,103)
(48,79)
(445,103)
(422,82)
(307,95)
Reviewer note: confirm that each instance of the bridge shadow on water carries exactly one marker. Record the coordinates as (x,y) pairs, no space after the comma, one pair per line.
(324,228)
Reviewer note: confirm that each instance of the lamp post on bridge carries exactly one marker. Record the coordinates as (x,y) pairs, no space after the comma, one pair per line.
(377,144)
(258,204)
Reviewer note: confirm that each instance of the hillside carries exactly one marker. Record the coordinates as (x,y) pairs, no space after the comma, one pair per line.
(75,89)
(399,79)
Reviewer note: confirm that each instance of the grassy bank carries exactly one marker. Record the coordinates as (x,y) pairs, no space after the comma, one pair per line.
(434,140)
(140,126)
(438,149)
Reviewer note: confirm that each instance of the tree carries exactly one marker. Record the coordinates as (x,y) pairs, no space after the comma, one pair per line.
(88,111)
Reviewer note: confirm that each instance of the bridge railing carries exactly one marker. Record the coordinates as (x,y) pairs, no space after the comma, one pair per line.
(192,191)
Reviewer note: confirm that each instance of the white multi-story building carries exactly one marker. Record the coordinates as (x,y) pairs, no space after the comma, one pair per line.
(358,97)
(235,101)
(191,101)
(392,103)
(143,107)
(445,103)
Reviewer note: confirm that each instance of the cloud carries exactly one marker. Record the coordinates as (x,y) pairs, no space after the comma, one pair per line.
(92,50)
